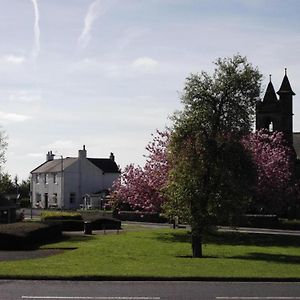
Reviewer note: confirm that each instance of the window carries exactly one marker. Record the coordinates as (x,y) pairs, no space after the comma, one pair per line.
(54,178)
(46,178)
(54,198)
(38,197)
(72,198)
(38,200)
(271,127)
(37,178)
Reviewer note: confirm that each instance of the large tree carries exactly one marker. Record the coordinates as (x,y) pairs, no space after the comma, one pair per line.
(211,171)
(3,146)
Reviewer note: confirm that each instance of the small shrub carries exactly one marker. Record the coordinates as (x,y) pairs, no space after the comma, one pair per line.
(106,223)
(138,216)
(289,224)
(261,221)
(68,225)
(60,215)
(25,203)
(27,235)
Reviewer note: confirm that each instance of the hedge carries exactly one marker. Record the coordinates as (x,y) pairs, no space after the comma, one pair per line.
(138,216)
(60,215)
(27,235)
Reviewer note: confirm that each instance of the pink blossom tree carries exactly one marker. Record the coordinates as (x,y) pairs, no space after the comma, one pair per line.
(274,160)
(140,188)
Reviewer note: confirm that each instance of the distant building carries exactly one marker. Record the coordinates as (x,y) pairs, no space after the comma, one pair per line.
(276,114)
(64,182)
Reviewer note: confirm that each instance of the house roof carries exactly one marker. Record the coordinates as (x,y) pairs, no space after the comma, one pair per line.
(107,165)
(54,166)
(57,165)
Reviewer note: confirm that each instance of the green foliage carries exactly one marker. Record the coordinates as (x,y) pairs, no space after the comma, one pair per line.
(6,184)
(23,188)
(25,203)
(3,147)
(138,216)
(27,235)
(58,215)
(210,171)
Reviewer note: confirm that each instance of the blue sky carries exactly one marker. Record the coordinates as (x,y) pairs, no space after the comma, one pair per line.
(108,73)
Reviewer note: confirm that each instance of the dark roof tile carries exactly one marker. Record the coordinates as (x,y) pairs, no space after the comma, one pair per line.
(105,164)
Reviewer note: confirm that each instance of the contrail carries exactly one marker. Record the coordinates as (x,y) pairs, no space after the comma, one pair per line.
(95,9)
(36,30)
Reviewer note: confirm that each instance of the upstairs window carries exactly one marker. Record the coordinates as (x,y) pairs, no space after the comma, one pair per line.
(37,178)
(46,178)
(54,178)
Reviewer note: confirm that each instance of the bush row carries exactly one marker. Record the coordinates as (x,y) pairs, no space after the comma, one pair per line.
(60,215)
(27,235)
(97,224)
(137,216)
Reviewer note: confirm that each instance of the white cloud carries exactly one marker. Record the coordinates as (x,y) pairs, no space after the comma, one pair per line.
(145,64)
(24,97)
(12,117)
(12,59)
(95,9)
(36,29)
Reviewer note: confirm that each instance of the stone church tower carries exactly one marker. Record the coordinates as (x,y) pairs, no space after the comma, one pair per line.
(276,114)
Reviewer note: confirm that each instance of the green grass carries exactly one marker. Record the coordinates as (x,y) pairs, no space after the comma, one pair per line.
(165,253)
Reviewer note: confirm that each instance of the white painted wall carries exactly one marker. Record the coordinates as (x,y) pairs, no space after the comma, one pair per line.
(81,177)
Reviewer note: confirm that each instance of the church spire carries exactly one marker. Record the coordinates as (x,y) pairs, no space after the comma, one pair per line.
(270,95)
(285,87)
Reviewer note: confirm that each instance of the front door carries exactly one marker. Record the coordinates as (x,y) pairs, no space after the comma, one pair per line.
(46,200)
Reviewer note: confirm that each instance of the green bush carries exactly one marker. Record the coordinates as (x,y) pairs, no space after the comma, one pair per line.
(289,224)
(69,225)
(60,215)
(138,216)
(25,203)
(106,223)
(27,235)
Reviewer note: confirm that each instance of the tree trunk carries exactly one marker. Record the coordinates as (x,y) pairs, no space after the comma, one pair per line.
(197,244)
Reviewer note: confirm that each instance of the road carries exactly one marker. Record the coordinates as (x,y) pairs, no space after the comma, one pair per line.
(147,290)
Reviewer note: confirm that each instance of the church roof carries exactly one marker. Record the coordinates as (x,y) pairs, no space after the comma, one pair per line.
(270,95)
(285,86)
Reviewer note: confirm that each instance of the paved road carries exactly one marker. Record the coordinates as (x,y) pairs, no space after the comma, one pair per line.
(149,290)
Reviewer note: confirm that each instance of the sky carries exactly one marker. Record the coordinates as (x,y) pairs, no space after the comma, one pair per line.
(108,73)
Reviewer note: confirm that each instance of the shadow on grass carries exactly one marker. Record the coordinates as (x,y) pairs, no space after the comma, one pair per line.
(233,238)
(70,239)
(278,258)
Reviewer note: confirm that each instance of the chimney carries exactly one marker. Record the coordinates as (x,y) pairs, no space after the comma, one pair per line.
(112,157)
(82,153)
(49,156)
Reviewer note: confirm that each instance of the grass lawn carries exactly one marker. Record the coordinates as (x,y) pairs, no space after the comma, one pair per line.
(165,253)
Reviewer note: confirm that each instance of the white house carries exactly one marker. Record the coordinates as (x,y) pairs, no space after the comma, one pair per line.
(64,182)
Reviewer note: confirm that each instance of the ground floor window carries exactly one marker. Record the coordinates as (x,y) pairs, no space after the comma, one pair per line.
(72,198)
(54,198)
(38,200)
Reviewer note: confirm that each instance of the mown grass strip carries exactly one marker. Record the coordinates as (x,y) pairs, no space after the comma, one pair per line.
(166,253)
